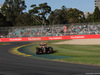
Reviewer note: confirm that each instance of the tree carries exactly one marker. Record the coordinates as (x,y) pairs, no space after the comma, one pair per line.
(34,13)
(12,9)
(2,20)
(96,14)
(64,15)
(24,19)
(58,16)
(42,11)
(90,18)
(75,16)
(55,17)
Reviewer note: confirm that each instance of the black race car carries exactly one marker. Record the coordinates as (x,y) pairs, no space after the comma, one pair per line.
(43,49)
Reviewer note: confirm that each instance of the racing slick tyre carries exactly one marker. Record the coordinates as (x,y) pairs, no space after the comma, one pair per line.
(51,49)
(37,50)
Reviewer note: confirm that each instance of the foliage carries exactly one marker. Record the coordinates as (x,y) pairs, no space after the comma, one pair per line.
(58,16)
(64,15)
(12,14)
(90,18)
(24,19)
(96,14)
(12,9)
(41,11)
(2,20)
(75,16)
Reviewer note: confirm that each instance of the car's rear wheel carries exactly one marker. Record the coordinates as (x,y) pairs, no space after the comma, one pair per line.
(37,50)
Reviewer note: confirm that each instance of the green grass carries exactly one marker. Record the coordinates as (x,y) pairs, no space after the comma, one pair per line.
(85,54)
(80,53)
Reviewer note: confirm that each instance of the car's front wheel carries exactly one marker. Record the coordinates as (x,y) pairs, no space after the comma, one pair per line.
(51,49)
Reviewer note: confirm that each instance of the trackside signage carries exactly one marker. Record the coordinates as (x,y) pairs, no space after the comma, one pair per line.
(34,39)
(55,38)
(77,37)
(15,39)
(50,38)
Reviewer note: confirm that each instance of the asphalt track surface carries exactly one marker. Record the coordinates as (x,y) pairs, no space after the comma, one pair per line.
(17,65)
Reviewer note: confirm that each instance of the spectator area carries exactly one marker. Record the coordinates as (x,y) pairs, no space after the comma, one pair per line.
(50,31)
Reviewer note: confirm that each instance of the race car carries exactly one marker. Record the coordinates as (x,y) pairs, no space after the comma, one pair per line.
(43,49)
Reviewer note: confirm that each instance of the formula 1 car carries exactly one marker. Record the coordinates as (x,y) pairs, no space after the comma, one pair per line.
(43,49)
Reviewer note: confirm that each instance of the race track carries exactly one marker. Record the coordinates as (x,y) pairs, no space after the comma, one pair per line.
(17,65)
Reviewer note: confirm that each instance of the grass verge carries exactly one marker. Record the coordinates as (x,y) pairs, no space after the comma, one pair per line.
(80,53)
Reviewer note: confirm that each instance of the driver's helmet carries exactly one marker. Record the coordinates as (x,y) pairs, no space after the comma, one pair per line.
(41,44)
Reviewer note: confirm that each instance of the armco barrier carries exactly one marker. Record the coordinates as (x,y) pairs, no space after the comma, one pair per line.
(50,38)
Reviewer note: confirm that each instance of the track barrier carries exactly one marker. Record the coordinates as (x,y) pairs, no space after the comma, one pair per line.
(50,38)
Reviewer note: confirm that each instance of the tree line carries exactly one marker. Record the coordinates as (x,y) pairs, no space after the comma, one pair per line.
(13,14)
